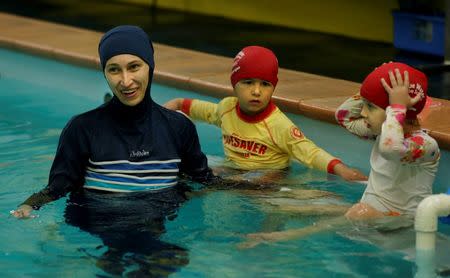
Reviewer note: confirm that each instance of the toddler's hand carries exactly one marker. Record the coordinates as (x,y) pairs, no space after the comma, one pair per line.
(174,104)
(399,92)
(349,174)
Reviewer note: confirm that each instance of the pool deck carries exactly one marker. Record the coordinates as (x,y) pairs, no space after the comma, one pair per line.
(302,93)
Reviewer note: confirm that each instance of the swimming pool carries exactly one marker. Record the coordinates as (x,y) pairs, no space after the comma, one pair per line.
(39,96)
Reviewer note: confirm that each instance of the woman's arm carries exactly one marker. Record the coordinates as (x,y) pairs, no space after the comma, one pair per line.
(66,171)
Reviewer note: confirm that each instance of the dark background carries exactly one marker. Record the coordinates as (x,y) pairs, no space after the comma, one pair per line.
(312,52)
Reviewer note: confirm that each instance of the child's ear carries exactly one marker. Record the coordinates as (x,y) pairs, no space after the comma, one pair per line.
(234,89)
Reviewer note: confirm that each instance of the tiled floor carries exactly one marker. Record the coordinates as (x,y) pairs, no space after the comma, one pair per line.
(312,95)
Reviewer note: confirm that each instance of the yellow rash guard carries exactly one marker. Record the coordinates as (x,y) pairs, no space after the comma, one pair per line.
(264,141)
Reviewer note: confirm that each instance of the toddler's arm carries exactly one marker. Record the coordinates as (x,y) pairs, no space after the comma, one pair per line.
(196,109)
(258,238)
(348,115)
(293,141)
(416,147)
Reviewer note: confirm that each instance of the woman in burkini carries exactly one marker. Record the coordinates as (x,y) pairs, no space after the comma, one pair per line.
(121,163)
(404,158)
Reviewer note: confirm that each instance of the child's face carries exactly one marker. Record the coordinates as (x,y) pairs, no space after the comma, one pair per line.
(253,95)
(374,115)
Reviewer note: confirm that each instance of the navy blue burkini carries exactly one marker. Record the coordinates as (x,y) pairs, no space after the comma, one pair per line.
(122,164)
(119,148)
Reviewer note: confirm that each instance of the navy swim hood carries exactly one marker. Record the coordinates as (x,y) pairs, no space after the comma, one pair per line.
(126,39)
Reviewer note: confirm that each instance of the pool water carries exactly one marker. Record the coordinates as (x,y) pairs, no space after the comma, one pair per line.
(38,96)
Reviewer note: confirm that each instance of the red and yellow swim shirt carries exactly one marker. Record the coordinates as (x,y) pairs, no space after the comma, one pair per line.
(264,141)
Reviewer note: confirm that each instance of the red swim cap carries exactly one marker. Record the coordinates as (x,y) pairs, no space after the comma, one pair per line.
(373,90)
(255,62)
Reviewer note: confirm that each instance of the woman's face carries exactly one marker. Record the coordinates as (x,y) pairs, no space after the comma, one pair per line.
(128,77)
(374,115)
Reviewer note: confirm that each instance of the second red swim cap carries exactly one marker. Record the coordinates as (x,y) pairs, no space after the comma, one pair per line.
(373,91)
(255,62)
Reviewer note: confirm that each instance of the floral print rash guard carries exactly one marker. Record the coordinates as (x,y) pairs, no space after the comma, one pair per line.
(403,166)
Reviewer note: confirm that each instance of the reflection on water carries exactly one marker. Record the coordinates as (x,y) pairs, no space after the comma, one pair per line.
(130,226)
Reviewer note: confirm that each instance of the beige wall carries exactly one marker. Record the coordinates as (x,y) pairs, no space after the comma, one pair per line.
(362,19)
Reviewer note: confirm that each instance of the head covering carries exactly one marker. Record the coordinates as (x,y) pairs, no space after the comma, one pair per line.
(255,62)
(126,39)
(373,91)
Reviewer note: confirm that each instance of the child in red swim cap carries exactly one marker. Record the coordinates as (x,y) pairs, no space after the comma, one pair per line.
(404,158)
(256,134)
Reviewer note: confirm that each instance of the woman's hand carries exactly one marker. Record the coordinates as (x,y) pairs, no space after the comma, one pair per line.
(399,92)
(349,174)
(24,211)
